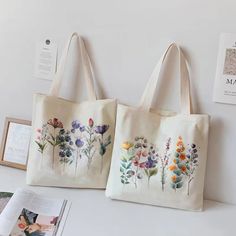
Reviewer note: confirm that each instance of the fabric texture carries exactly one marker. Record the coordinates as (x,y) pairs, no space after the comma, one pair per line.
(71,142)
(159,157)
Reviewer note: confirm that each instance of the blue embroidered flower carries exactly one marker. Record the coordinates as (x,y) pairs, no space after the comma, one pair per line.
(75,124)
(79,143)
(82,128)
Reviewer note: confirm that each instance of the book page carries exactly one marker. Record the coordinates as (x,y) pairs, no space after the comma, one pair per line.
(4,199)
(30,214)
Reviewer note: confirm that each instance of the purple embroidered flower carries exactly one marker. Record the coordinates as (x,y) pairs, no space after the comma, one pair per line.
(101,129)
(75,124)
(79,143)
(150,163)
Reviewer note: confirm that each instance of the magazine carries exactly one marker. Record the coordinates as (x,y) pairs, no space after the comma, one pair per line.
(4,199)
(30,214)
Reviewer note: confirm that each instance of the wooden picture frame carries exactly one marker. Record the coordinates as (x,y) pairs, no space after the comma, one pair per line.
(15,154)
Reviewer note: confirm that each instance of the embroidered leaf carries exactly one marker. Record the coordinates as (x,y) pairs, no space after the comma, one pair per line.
(177,172)
(153,172)
(179,185)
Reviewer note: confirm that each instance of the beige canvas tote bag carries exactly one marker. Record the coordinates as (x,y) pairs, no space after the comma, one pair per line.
(71,143)
(159,157)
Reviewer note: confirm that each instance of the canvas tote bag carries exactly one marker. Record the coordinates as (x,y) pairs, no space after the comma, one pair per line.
(159,157)
(71,143)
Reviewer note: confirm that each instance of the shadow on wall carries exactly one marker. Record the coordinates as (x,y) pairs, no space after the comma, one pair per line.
(215,170)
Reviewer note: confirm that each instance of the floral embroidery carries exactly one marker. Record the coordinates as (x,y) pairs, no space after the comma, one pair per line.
(53,138)
(151,163)
(89,149)
(184,165)
(77,130)
(65,148)
(73,144)
(141,158)
(101,130)
(178,167)
(191,164)
(126,163)
(42,138)
(164,163)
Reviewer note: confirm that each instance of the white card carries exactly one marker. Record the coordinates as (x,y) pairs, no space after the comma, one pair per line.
(17,144)
(225,80)
(46,59)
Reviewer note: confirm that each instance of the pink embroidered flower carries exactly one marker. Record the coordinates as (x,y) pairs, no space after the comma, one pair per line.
(91,122)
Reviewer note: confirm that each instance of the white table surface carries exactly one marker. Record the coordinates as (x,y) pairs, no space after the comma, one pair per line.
(92,214)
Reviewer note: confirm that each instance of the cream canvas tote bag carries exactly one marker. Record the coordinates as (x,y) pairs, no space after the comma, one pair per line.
(159,157)
(71,143)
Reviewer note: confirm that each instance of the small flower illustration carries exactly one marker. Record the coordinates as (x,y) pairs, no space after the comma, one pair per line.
(127,145)
(191,164)
(75,124)
(126,169)
(102,129)
(179,167)
(77,130)
(91,122)
(55,123)
(42,140)
(79,143)
(164,163)
(172,167)
(150,166)
(53,138)
(65,147)
(89,146)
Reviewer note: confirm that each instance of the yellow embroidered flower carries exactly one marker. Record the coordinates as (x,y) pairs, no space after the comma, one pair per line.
(127,145)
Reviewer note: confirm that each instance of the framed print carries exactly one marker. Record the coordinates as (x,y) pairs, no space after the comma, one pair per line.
(15,143)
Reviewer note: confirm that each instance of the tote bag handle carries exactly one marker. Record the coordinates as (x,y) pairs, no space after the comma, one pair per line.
(86,67)
(149,92)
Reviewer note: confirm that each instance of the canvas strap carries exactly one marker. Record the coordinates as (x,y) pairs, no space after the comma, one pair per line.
(150,89)
(85,65)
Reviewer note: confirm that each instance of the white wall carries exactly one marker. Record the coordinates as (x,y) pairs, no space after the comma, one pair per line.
(125,39)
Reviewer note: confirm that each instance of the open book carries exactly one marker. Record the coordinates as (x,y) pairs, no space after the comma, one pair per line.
(29,214)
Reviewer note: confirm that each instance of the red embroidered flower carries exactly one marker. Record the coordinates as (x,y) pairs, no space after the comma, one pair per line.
(55,123)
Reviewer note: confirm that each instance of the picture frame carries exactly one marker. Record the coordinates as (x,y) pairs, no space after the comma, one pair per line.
(15,143)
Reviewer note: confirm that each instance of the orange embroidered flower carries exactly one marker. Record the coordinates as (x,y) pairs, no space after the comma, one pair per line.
(173,178)
(183,168)
(182,156)
(127,145)
(175,161)
(172,167)
(179,143)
